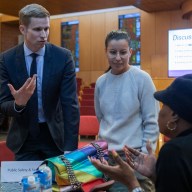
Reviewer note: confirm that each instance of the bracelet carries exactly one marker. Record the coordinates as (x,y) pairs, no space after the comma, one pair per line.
(138,189)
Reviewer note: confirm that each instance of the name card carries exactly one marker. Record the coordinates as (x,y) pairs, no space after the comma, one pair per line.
(13,171)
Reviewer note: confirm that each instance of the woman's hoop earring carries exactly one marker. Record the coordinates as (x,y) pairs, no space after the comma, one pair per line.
(171,128)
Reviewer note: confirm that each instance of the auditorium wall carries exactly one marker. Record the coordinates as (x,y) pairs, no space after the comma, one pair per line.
(154,41)
(93,28)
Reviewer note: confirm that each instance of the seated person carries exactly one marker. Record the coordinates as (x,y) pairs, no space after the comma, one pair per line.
(172,171)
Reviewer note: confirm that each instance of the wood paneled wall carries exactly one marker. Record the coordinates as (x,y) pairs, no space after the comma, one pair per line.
(154,41)
(9,31)
(93,29)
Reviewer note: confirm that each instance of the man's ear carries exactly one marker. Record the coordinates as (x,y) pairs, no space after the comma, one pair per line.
(22,29)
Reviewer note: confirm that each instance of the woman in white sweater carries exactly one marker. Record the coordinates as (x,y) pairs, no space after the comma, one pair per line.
(124,103)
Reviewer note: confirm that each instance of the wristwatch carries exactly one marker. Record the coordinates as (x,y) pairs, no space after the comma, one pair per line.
(138,189)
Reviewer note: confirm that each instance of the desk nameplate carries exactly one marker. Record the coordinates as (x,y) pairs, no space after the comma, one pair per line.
(13,171)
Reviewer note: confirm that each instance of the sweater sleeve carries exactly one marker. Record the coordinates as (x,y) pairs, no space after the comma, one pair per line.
(96,102)
(149,112)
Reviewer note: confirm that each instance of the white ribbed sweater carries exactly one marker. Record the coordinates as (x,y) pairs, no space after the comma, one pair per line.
(126,109)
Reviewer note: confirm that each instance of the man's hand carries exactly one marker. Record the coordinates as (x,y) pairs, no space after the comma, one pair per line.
(23,94)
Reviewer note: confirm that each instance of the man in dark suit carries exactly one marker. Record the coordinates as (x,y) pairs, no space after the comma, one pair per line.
(38,90)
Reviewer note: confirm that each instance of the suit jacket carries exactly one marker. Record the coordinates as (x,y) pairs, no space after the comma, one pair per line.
(59,96)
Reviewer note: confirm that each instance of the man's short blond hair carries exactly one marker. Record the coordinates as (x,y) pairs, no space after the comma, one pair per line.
(32,10)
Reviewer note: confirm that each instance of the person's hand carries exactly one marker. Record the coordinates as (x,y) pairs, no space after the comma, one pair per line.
(141,162)
(121,172)
(23,94)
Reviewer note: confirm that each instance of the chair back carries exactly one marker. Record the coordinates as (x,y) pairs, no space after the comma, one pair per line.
(88,91)
(89,125)
(87,96)
(87,110)
(5,153)
(87,102)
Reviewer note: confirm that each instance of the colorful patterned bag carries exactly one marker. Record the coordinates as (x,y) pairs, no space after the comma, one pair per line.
(74,168)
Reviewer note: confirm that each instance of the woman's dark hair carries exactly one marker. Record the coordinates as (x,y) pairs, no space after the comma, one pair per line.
(116,35)
(109,68)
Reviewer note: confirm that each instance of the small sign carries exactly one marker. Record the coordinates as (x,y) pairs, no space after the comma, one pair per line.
(13,171)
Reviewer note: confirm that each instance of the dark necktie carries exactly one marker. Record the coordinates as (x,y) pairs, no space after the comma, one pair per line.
(34,128)
(33,69)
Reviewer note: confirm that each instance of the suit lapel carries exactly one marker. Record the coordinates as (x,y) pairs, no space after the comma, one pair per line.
(22,74)
(47,67)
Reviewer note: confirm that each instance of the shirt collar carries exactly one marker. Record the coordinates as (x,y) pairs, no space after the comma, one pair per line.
(27,51)
(186,132)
